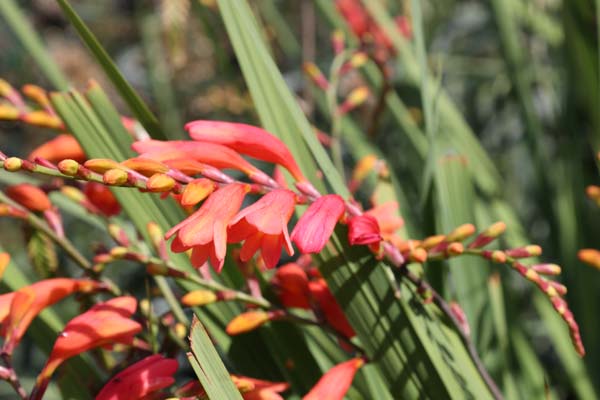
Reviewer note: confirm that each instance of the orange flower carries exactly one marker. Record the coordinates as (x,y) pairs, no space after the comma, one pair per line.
(291,285)
(213,154)
(62,147)
(19,308)
(263,226)
(29,196)
(329,307)
(143,378)
(102,199)
(105,323)
(387,217)
(363,229)
(336,382)
(246,139)
(316,225)
(206,229)
(250,388)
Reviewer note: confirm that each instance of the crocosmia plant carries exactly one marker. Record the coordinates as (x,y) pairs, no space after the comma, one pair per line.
(348,211)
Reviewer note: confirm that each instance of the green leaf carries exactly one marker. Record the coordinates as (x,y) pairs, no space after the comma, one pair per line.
(42,253)
(136,104)
(208,365)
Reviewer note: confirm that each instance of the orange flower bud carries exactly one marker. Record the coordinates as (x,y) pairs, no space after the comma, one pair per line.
(102,198)
(196,191)
(145,166)
(432,241)
(418,255)
(4,261)
(498,257)
(37,94)
(102,165)
(593,192)
(160,183)
(42,118)
(115,177)
(9,113)
(247,322)
(461,233)
(29,196)
(198,297)
(455,249)
(13,164)
(68,167)
(590,257)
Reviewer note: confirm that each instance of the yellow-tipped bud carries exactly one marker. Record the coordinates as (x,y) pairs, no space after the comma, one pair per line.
(119,252)
(101,165)
(68,167)
(160,183)
(455,249)
(115,177)
(432,241)
(247,322)
(73,193)
(8,112)
(498,256)
(13,164)
(199,297)
(42,118)
(145,306)
(145,166)
(359,59)
(37,94)
(338,41)
(315,75)
(356,97)
(196,191)
(532,250)
(495,230)
(180,330)
(547,269)
(461,233)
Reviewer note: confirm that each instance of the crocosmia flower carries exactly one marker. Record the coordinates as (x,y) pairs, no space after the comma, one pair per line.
(18,309)
(327,305)
(246,139)
(291,285)
(102,199)
(105,323)
(205,231)
(141,379)
(334,384)
(263,226)
(316,225)
(363,229)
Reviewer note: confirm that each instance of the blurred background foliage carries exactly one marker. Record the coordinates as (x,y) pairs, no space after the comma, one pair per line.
(523,74)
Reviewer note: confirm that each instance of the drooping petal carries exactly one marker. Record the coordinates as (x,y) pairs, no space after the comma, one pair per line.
(145,377)
(336,382)
(291,285)
(329,307)
(316,225)
(246,139)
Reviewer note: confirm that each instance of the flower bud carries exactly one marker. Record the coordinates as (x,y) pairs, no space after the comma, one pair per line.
(531,250)
(315,75)
(461,233)
(8,112)
(42,118)
(455,249)
(196,191)
(102,165)
(115,177)
(355,98)
(160,183)
(199,297)
(418,255)
(432,241)
(249,321)
(590,257)
(145,166)
(68,167)
(338,41)
(13,164)
(29,196)
(547,269)
(487,236)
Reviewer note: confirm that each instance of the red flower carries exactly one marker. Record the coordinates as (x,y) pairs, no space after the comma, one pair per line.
(363,229)
(316,225)
(105,323)
(62,147)
(291,284)
(336,382)
(329,307)
(206,230)
(29,196)
(263,226)
(145,377)
(250,388)
(19,308)
(246,139)
(102,198)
